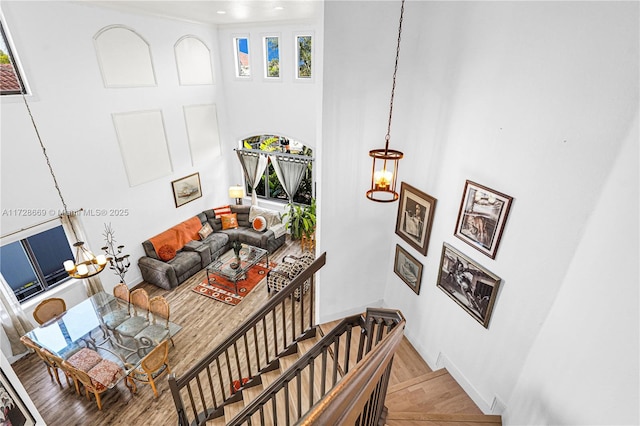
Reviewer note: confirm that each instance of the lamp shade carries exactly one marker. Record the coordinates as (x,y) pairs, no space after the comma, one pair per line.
(236,191)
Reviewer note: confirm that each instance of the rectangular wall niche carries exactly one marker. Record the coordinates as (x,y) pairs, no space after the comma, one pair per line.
(202,129)
(143,145)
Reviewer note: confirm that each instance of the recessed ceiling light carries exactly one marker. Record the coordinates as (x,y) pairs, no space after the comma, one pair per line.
(221,12)
(278,8)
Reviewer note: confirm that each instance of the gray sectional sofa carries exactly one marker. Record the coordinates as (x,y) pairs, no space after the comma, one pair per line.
(196,254)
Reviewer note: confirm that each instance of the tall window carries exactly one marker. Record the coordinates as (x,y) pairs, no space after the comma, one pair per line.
(270,186)
(242,56)
(272,57)
(10,79)
(34,265)
(303,55)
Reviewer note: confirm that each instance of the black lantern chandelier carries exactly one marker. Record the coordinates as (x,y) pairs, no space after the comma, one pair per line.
(384,173)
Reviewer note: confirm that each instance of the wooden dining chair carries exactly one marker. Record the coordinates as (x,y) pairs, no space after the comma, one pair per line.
(152,366)
(48,309)
(52,362)
(139,317)
(158,329)
(120,315)
(99,379)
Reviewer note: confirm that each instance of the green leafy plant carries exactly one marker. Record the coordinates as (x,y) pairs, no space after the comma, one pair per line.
(300,220)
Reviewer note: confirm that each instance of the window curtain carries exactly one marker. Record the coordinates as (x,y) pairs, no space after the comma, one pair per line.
(73,228)
(253,165)
(290,171)
(14,321)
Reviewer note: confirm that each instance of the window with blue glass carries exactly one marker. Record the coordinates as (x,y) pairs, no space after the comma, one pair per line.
(33,265)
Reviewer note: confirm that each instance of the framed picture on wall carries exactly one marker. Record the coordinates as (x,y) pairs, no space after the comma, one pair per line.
(470,285)
(12,409)
(415,217)
(482,216)
(408,269)
(186,189)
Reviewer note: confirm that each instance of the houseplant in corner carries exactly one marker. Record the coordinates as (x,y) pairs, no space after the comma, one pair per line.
(301,220)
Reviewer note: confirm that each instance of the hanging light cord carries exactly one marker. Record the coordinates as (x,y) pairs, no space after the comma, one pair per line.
(44,152)
(395,71)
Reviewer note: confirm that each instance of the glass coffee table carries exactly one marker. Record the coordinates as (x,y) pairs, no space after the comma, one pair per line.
(226,266)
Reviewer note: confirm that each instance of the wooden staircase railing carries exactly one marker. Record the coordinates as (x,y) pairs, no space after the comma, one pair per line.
(359,395)
(254,347)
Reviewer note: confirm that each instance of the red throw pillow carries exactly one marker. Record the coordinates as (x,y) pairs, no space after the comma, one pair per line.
(229,221)
(166,252)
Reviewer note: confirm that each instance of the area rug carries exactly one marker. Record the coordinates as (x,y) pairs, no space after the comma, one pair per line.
(216,289)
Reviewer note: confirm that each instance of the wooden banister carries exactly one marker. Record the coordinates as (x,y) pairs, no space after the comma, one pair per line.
(206,386)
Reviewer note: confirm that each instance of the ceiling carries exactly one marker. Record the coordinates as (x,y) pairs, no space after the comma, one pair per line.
(220,12)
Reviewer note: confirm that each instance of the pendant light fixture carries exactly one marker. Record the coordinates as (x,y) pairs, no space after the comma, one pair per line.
(384,173)
(86,264)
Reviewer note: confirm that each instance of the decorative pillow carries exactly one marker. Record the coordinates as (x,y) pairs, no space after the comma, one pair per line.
(272,217)
(229,221)
(222,210)
(166,252)
(259,223)
(205,231)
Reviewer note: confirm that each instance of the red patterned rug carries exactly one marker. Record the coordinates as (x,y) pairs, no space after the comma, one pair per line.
(219,289)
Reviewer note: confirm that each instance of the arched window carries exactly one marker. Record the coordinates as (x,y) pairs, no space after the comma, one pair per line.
(290,166)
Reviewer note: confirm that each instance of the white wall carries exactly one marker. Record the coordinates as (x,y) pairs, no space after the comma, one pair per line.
(72,109)
(531,99)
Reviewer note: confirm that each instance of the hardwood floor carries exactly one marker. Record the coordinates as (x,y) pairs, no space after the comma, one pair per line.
(205,323)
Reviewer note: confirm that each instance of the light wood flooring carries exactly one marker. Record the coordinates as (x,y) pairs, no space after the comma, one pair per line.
(205,323)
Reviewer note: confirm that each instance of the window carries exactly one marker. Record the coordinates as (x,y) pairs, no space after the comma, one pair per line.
(10,79)
(242,56)
(303,53)
(33,265)
(270,186)
(271,57)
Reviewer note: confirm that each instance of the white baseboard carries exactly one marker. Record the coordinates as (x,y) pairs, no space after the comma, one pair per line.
(474,394)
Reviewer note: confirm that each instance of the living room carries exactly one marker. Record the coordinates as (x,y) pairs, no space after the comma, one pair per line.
(536,100)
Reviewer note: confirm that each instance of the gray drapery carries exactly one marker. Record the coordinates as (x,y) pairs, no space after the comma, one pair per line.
(72,227)
(14,321)
(290,170)
(253,165)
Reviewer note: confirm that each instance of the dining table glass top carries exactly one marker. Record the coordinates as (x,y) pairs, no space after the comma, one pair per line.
(82,326)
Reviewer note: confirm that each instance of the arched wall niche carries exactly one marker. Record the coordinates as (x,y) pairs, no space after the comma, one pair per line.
(124,57)
(193,60)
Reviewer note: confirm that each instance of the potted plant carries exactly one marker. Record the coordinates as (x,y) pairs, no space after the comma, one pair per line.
(301,220)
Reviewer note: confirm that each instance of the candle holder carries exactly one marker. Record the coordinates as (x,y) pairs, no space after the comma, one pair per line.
(119,263)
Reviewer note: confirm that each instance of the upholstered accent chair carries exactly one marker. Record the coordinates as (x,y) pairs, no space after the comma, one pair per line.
(290,267)
(152,366)
(48,309)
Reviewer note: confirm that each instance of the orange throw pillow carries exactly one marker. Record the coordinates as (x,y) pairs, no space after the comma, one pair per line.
(229,221)
(259,224)
(166,252)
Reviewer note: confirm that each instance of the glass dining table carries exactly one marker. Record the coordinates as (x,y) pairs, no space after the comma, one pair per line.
(82,326)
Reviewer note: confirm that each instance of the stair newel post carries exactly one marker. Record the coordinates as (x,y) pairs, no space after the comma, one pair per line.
(177,400)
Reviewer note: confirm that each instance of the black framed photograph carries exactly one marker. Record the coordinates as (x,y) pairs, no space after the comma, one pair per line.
(12,409)
(470,285)
(482,216)
(415,217)
(186,189)
(408,269)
